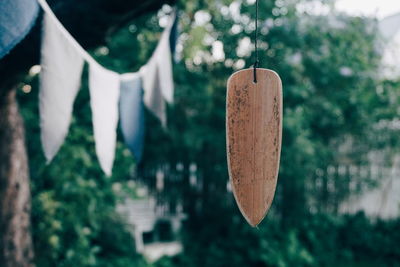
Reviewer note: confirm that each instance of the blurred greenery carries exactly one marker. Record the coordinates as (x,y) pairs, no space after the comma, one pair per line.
(320,240)
(333,95)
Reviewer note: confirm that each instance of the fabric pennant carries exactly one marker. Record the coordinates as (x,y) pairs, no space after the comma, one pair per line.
(389,26)
(153,98)
(132,115)
(62,64)
(51,17)
(16,20)
(104,97)
(60,78)
(164,66)
(158,83)
(174,35)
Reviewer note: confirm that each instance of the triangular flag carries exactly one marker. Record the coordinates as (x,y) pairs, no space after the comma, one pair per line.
(131,110)
(104,97)
(390,26)
(158,83)
(164,64)
(62,60)
(174,35)
(60,79)
(153,98)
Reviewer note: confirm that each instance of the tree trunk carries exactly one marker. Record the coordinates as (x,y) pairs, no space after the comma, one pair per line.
(16,247)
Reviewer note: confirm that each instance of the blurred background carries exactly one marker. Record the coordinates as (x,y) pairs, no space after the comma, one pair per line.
(338,195)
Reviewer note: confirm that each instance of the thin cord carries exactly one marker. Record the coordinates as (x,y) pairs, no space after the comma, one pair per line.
(256,62)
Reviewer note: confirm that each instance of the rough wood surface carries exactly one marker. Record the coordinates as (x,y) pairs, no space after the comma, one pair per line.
(15,199)
(254,135)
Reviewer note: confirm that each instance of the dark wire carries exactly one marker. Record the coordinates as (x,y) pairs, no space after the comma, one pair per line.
(256,62)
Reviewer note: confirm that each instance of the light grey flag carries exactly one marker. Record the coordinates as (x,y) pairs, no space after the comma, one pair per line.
(60,79)
(104,97)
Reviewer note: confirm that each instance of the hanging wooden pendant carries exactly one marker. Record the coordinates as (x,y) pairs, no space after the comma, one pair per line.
(254,135)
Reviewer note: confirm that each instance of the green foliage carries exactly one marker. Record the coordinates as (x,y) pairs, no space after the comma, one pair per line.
(73,202)
(320,240)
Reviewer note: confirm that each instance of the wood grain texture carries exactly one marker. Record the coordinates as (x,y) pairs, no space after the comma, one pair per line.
(254,137)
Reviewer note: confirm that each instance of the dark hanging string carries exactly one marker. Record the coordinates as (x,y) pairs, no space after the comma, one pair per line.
(256,62)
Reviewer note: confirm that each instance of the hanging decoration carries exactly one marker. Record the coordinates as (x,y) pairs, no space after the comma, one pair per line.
(174,35)
(131,110)
(157,76)
(389,26)
(163,57)
(62,60)
(254,135)
(104,97)
(152,98)
(60,80)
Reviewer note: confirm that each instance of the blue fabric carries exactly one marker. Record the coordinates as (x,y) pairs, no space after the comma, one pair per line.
(16,20)
(173,37)
(132,116)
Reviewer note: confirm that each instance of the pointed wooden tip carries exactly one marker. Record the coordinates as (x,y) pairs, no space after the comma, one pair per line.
(254,222)
(252,218)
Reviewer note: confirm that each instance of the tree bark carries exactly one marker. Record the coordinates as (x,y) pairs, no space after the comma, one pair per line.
(15,199)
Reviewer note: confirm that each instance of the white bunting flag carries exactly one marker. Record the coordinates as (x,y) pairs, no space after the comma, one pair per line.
(164,64)
(62,60)
(390,26)
(60,80)
(153,98)
(158,83)
(104,97)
